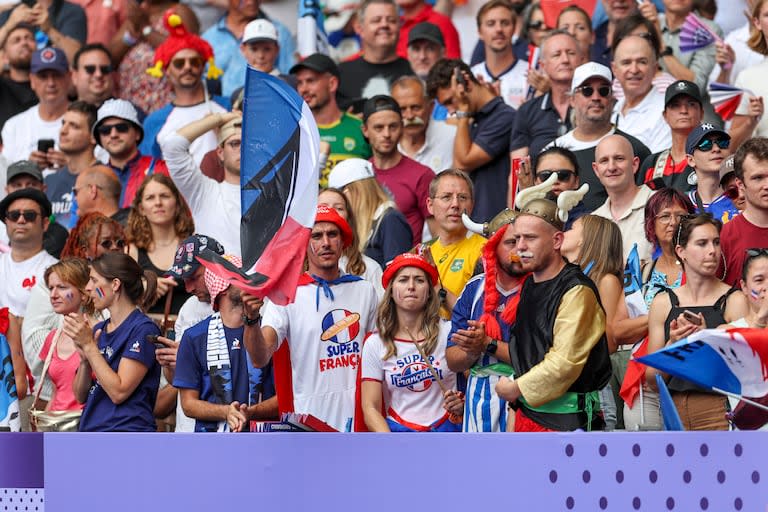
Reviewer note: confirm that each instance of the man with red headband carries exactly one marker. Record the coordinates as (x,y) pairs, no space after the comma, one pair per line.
(480,327)
(318,339)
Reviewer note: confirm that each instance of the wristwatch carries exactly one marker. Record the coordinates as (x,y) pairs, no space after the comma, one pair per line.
(492,347)
(251,321)
(668,52)
(462,115)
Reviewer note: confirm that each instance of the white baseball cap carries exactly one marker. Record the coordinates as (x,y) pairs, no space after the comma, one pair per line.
(348,171)
(586,71)
(259,30)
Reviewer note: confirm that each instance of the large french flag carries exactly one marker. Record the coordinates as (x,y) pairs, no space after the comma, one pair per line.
(278,177)
(732,361)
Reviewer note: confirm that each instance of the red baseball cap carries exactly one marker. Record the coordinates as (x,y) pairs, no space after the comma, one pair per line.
(327,214)
(409,259)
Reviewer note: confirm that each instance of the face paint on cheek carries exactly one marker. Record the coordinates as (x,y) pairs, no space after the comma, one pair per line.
(755,294)
(100,292)
(68,297)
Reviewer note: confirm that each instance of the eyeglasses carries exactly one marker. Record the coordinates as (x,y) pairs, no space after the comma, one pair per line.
(708,144)
(194,62)
(448,198)
(234,144)
(108,244)
(562,174)
(91,69)
(731,193)
(666,218)
(587,91)
(535,25)
(76,190)
(15,215)
(106,129)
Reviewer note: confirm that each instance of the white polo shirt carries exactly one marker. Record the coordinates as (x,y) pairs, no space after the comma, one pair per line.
(645,121)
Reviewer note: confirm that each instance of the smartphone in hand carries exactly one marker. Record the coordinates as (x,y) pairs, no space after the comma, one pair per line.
(692,317)
(43,145)
(152,338)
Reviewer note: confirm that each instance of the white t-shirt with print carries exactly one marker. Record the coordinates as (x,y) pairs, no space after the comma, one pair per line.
(19,278)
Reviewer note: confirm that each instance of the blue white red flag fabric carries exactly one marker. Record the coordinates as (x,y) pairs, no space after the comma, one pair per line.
(634,375)
(310,31)
(633,276)
(669,412)
(9,402)
(726,98)
(732,361)
(278,179)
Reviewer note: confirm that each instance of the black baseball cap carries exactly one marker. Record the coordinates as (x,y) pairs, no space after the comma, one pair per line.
(380,103)
(26,193)
(317,62)
(24,167)
(680,88)
(426,31)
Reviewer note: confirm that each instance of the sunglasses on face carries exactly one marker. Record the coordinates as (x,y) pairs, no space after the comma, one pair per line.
(731,193)
(106,129)
(15,215)
(587,91)
(109,244)
(708,144)
(91,69)
(194,62)
(535,25)
(562,174)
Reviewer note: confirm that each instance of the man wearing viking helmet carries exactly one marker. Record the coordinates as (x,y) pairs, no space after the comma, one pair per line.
(557,346)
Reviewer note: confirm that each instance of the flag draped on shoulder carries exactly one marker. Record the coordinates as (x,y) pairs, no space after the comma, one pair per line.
(9,402)
(310,34)
(278,179)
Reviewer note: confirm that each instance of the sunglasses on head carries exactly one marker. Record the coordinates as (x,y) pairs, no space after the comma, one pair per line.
(562,174)
(587,91)
(708,144)
(15,215)
(194,62)
(91,69)
(106,129)
(109,244)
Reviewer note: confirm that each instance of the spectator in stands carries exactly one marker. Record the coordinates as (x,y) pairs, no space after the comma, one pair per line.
(132,50)
(77,145)
(383,231)
(104,19)
(408,329)
(311,367)
(378,65)
(94,235)
(92,74)
(707,148)
(218,408)
(425,140)
(97,189)
(226,37)
(66,281)
(496,24)
(119,131)
(159,220)
(481,146)
(576,21)
(261,48)
(615,167)
(191,101)
(25,214)
(63,24)
(592,116)
(425,47)
(683,111)
(418,11)
(729,184)
(540,120)
(16,94)
(215,206)
(117,386)
(711,301)
(561,162)
(638,113)
(616,10)
(454,250)
(26,174)
(317,81)
(750,229)
(405,179)
(50,79)
(534,27)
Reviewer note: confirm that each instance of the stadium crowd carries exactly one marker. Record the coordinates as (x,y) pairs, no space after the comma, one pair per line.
(488,170)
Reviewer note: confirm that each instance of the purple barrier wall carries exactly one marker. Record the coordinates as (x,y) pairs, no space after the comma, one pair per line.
(653,471)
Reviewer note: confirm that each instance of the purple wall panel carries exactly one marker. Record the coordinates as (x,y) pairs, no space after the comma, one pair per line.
(22,460)
(653,471)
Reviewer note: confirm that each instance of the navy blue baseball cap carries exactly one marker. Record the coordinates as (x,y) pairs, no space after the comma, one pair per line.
(698,134)
(49,58)
(185,263)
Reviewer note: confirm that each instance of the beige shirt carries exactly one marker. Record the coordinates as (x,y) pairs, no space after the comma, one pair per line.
(632,224)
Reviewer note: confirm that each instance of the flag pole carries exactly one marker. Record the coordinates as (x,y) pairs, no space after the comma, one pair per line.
(739,397)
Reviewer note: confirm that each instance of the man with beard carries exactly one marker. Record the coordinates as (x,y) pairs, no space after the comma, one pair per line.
(185,73)
(558,347)
(426,140)
(371,73)
(317,80)
(496,26)
(16,94)
(215,206)
(592,103)
(481,325)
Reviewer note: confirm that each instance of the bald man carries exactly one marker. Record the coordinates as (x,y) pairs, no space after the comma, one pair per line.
(615,166)
(97,189)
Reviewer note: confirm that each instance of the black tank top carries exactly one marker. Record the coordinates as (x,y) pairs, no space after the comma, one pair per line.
(713,316)
(180,295)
